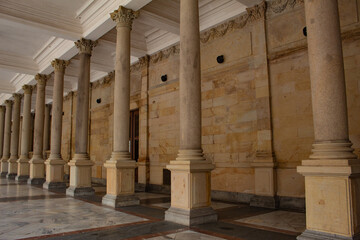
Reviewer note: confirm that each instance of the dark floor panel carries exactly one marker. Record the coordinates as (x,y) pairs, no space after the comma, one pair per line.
(241,212)
(148,229)
(148,212)
(241,232)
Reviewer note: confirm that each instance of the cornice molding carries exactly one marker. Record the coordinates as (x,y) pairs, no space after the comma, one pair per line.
(164,54)
(103,81)
(143,61)
(253,14)
(124,17)
(279,6)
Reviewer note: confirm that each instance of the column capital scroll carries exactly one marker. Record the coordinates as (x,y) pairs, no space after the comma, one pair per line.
(27,89)
(8,103)
(124,17)
(59,64)
(85,45)
(41,79)
(17,97)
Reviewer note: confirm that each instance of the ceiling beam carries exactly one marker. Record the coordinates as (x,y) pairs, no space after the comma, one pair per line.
(18,64)
(154,20)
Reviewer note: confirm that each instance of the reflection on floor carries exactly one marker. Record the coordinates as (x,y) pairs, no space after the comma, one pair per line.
(33,213)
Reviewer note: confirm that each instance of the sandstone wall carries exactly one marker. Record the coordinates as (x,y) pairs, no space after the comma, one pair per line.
(256,106)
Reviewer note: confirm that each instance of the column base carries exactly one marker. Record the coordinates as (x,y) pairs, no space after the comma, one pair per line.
(54,185)
(314,235)
(80,176)
(190,217)
(23,169)
(36,181)
(54,173)
(12,167)
(120,200)
(3,174)
(190,189)
(120,181)
(11,176)
(37,167)
(22,178)
(80,191)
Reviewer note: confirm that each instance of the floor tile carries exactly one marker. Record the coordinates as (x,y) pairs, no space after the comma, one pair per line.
(284,220)
(186,235)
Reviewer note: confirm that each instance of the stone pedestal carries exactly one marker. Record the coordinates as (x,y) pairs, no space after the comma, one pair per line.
(55,164)
(332,173)
(23,162)
(80,165)
(190,190)
(37,167)
(120,169)
(80,176)
(7,136)
(120,180)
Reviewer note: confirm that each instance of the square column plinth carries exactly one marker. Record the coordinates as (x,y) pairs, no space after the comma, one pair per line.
(332,189)
(4,167)
(12,167)
(120,184)
(54,174)
(190,193)
(23,169)
(37,171)
(80,176)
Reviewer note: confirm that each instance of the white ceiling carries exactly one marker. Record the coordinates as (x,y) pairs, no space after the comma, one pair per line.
(34,32)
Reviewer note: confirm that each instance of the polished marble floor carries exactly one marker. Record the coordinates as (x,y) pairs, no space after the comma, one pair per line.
(28,212)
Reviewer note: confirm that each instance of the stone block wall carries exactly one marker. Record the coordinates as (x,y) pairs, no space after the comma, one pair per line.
(256,106)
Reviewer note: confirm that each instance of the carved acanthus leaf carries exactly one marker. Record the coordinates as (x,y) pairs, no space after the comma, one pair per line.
(17,97)
(143,61)
(59,64)
(27,89)
(278,6)
(124,17)
(41,79)
(85,45)
(164,54)
(103,81)
(254,13)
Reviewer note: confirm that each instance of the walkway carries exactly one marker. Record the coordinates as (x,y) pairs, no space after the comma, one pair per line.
(28,212)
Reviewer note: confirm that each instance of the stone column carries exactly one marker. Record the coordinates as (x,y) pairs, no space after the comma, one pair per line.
(80,165)
(23,162)
(332,174)
(15,127)
(2,124)
(55,163)
(120,188)
(46,139)
(7,137)
(190,172)
(37,167)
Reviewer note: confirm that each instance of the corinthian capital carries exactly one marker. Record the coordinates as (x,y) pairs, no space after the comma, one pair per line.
(124,17)
(27,89)
(59,65)
(85,45)
(41,79)
(8,103)
(17,97)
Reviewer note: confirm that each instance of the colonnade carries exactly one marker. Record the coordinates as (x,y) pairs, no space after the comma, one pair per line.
(333,168)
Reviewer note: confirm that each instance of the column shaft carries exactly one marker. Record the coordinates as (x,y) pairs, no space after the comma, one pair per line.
(37,167)
(55,164)
(2,125)
(7,137)
(80,165)
(23,162)
(12,168)
(46,138)
(333,168)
